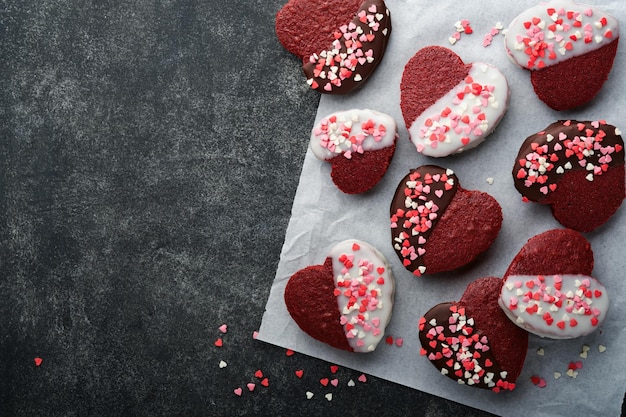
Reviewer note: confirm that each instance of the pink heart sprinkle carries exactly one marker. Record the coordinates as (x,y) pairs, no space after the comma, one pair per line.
(223,328)
(251,386)
(362,378)
(334,382)
(238,391)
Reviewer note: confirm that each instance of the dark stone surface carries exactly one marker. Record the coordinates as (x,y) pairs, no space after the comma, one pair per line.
(149,155)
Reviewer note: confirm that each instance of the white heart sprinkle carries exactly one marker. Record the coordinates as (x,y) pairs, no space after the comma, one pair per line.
(309,395)
(329,396)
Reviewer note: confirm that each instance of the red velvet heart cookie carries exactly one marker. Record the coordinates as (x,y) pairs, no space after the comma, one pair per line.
(569,49)
(438,226)
(359,144)
(346,302)
(449,106)
(577,168)
(342,43)
(548,289)
(472,341)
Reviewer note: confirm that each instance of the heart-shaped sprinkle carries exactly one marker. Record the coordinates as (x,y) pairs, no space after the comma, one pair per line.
(238,392)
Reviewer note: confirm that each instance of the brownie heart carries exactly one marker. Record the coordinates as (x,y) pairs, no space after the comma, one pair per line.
(449,106)
(359,144)
(569,49)
(472,341)
(577,168)
(548,289)
(341,62)
(346,302)
(436,225)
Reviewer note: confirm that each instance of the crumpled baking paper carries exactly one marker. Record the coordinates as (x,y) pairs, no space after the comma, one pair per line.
(323,216)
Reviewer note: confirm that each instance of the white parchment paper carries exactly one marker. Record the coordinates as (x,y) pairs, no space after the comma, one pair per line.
(323,216)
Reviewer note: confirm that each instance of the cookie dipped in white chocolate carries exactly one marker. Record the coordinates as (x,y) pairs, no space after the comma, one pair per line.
(463,117)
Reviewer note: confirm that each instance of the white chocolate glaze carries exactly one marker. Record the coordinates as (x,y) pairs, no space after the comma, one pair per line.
(555,306)
(555,31)
(364,287)
(465,116)
(352,131)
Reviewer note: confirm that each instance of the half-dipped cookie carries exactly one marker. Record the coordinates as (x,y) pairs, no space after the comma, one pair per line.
(347,301)
(577,168)
(436,225)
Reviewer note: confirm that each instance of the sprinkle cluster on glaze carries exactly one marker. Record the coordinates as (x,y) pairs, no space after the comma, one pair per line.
(339,135)
(557,31)
(564,306)
(359,289)
(467,116)
(351,50)
(426,190)
(450,341)
(564,146)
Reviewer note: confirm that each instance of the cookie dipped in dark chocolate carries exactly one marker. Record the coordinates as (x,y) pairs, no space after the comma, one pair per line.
(472,341)
(355,53)
(575,167)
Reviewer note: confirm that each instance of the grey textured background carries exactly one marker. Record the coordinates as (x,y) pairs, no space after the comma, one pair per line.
(149,155)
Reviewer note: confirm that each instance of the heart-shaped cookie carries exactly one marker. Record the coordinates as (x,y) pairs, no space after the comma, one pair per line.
(548,289)
(449,106)
(568,47)
(341,43)
(346,302)
(438,226)
(359,145)
(472,341)
(577,168)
